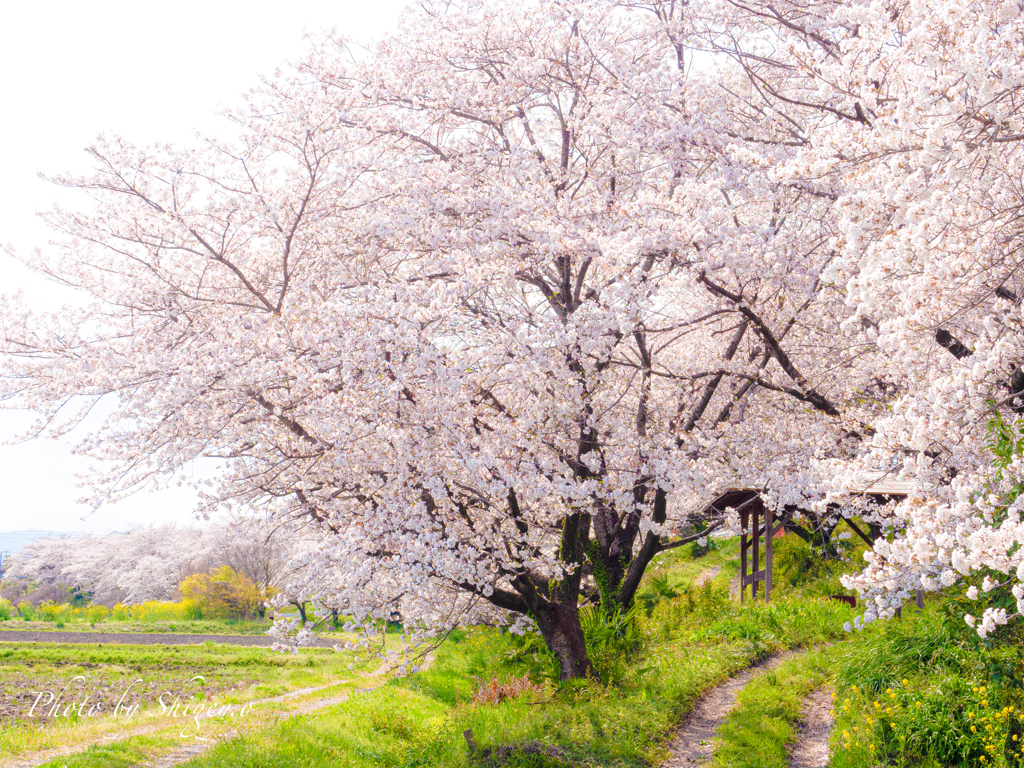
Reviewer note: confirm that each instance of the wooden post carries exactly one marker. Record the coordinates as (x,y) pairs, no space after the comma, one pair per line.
(756,560)
(920,600)
(768,554)
(744,520)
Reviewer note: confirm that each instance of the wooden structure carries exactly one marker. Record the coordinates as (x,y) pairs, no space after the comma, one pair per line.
(752,512)
(758,522)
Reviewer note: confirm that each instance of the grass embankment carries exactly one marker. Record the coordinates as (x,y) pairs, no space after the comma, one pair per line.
(927,692)
(201,627)
(155,616)
(419,720)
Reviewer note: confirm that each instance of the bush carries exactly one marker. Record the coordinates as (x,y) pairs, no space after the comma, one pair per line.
(222,594)
(192,610)
(927,691)
(157,610)
(6,610)
(51,611)
(26,610)
(97,613)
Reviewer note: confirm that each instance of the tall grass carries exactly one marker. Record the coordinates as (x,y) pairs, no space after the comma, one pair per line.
(927,691)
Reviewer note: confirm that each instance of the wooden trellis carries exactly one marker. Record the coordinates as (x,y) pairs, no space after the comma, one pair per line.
(752,512)
(757,522)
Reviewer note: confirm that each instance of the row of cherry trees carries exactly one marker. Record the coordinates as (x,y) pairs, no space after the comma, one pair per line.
(149,563)
(503,301)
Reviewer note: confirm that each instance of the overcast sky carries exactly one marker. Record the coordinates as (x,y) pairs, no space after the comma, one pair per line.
(150,72)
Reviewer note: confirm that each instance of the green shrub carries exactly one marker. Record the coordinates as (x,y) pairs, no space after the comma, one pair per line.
(49,611)
(6,610)
(951,722)
(26,610)
(97,613)
(192,610)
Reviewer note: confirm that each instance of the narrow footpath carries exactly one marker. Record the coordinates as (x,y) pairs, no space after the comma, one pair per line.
(811,748)
(695,742)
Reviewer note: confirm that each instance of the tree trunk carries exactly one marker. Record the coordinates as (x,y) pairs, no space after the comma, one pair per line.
(560,627)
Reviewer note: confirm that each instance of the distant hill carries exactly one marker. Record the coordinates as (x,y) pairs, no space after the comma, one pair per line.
(12,541)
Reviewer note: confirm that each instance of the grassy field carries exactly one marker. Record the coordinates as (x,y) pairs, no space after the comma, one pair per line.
(214,627)
(122,688)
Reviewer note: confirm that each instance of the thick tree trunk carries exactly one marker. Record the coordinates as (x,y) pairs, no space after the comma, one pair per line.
(560,627)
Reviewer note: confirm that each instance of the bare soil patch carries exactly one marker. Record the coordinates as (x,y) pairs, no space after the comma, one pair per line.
(811,749)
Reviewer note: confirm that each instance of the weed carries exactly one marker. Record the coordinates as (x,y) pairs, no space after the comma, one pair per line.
(495,692)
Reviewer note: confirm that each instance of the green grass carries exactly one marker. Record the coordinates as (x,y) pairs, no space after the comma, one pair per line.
(128,753)
(686,647)
(217,627)
(685,643)
(763,724)
(231,675)
(927,691)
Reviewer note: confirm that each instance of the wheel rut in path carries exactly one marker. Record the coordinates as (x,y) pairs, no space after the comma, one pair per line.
(694,743)
(811,749)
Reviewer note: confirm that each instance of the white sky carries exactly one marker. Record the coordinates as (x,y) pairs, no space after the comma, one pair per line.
(70,70)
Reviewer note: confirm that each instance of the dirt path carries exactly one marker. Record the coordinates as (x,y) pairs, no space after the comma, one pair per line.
(811,750)
(695,741)
(115,638)
(707,575)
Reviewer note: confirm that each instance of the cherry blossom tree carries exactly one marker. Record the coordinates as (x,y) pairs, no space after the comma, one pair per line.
(908,116)
(494,306)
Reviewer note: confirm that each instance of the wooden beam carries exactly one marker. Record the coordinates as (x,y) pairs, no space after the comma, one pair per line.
(859,532)
(754,577)
(744,521)
(756,513)
(768,554)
